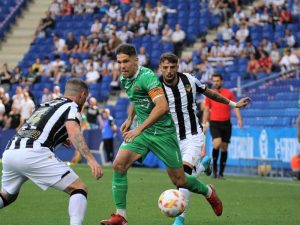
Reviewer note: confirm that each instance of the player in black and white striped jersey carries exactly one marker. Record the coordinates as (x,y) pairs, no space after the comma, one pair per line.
(180,90)
(29,154)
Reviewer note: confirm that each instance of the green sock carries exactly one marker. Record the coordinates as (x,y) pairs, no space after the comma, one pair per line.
(195,185)
(119,188)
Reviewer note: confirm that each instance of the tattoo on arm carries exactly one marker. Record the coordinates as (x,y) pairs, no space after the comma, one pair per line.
(80,145)
(216,96)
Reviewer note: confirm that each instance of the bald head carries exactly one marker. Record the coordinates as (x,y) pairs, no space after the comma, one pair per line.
(75,87)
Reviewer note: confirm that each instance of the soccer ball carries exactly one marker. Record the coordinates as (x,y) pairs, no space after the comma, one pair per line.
(171,203)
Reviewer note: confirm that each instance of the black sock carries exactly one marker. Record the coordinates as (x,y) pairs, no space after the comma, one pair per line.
(215,156)
(223,162)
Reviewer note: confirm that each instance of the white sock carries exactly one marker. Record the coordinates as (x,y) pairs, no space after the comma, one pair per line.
(187,196)
(122,212)
(209,191)
(199,169)
(77,208)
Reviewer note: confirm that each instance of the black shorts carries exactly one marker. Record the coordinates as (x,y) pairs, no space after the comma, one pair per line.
(221,129)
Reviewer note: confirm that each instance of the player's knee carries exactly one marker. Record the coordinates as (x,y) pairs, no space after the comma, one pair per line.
(79,191)
(120,168)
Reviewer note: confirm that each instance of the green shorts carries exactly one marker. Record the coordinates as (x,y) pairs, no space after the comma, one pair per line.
(165,147)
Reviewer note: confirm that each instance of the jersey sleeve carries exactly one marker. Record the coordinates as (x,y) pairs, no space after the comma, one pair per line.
(153,86)
(200,87)
(73,114)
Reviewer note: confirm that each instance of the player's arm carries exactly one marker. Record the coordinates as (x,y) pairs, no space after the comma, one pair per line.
(79,143)
(219,98)
(161,107)
(127,123)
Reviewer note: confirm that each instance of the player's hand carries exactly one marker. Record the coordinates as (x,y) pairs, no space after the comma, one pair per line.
(204,127)
(243,102)
(130,135)
(125,126)
(67,143)
(240,123)
(96,169)
(299,136)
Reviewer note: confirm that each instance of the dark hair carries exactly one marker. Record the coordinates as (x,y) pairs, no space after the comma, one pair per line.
(169,56)
(126,49)
(75,86)
(217,75)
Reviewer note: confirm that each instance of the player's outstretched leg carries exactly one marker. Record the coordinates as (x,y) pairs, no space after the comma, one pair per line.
(208,191)
(119,187)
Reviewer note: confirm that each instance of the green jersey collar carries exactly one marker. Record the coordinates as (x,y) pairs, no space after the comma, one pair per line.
(135,75)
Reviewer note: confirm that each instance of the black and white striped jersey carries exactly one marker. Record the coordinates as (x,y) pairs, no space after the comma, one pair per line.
(182,103)
(46,125)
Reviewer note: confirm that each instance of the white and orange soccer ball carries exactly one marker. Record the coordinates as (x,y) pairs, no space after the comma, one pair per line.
(171,203)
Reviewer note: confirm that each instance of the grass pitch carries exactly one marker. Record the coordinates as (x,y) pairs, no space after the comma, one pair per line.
(246,200)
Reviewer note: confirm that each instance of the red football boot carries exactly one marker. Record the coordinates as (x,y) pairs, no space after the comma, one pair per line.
(215,202)
(115,219)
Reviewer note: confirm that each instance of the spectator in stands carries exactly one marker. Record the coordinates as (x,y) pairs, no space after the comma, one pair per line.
(90,6)
(110,28)
(153,26)
(114,12)
(124,34)
(252,67)
(77,69)
(59,44)
(95,49)
(237,48)
(71,43)
(243,33)
(226,50)
(285,16)
(66,8)
(186,65)
(96,26)
(220,126)
(265,62)
(47,95)
(7,102)
(54,8)
(143,57)
(239,15)
(166,33)
(13,120)
(289,38)
(254,18)
(78,7)
(215,51)
(296,8)
(27,106)
(206,70)
(178,38)
(108,129)
(114,42)
(18,98)
(227,32)
(17,76)
(5,76)
(37,67)
(46,69)
(56,92)
(161,11)
(45,24)
(265,18)
(57,68)
(266,45)
(289,61)
(114,70)
(92,113)
(92,76)
(276,55)
(84,44)
(249,49)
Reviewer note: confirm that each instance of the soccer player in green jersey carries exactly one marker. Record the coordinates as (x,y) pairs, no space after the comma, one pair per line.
(155,132)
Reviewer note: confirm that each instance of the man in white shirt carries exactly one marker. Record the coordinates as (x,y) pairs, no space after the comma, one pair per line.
(289,60)
(178,37)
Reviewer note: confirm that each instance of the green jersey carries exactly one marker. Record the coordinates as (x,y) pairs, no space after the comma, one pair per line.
(140,88)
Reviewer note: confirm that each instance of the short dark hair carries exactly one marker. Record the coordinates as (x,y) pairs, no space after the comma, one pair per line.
(75,86)
(169,56)
(126,49)
(217,75)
